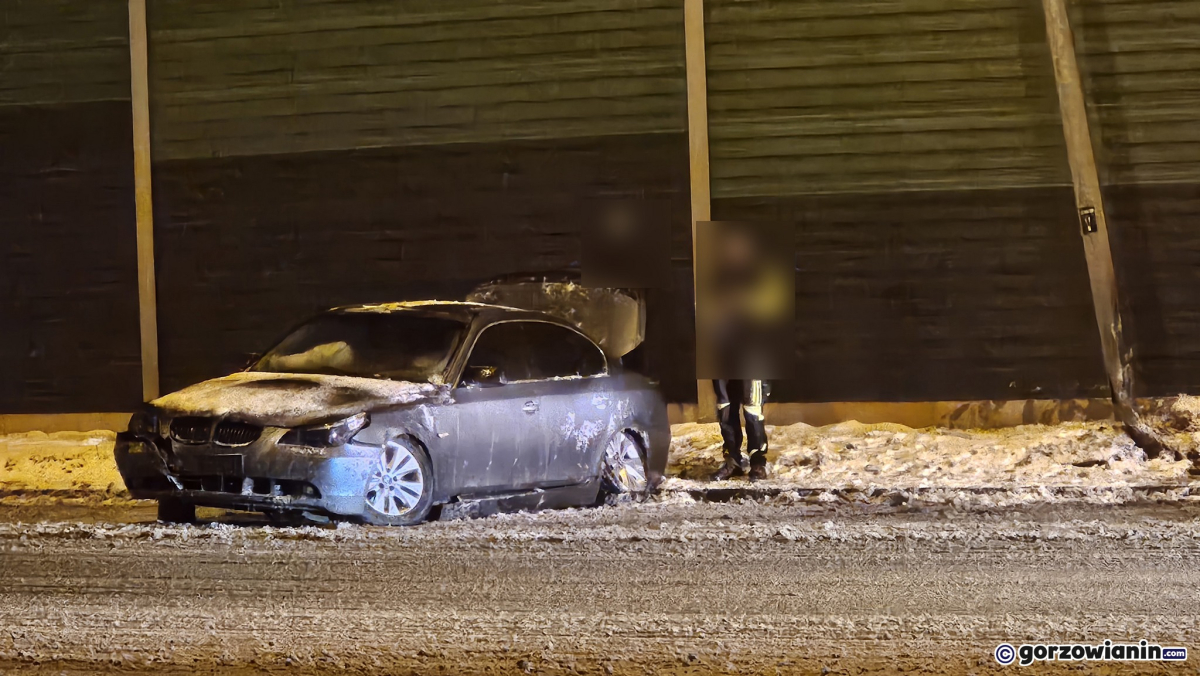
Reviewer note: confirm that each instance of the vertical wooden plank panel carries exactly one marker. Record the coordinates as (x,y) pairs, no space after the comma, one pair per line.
(140,93)
(1118,355)
(697,95)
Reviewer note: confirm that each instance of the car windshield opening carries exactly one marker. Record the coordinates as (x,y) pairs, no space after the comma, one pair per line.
(396,346)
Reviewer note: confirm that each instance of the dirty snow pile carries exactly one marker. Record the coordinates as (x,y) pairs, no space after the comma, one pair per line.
(59,462)
(852,455)
(848,456)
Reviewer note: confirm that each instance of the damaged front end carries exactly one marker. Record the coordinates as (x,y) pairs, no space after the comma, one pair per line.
(142,455)
(234,464)
(614,318)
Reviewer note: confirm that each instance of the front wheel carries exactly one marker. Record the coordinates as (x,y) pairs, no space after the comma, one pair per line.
(624,468)
(399,490)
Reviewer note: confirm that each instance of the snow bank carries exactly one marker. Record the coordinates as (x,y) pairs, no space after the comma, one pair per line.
(844,457)
(852,455)
(61,461)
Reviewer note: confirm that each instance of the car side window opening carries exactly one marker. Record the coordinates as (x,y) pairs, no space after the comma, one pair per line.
(562,353)
(536,351)
(503,347)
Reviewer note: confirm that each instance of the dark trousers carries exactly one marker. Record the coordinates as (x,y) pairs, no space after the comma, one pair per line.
(747,398)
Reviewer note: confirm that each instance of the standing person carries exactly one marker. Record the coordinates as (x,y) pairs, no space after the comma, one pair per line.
(742,398)
(745,289)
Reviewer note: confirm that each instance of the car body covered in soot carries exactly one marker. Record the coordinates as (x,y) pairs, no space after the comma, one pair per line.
(387,412)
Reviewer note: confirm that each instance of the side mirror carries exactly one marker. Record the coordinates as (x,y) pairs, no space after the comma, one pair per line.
(483,376)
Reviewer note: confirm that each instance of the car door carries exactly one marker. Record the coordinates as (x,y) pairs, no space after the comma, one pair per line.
(494,419)
(575,404)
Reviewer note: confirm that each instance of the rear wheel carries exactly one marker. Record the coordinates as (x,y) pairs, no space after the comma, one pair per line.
(174,510)
(624,468)
(399,490)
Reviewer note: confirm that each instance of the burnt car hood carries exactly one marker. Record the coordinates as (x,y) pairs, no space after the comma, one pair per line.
(289,399)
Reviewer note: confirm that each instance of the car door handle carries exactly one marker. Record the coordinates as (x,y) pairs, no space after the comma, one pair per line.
(530,407)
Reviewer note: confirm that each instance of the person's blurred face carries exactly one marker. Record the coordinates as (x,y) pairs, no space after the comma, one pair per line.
(618,224)
(739,250)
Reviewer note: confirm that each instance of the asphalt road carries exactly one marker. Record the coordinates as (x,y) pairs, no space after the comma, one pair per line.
(665,587)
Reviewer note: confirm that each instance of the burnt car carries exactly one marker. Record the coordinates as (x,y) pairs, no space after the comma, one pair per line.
(387,412)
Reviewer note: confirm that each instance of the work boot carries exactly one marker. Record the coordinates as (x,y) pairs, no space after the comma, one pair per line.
(758,467)
(730,468)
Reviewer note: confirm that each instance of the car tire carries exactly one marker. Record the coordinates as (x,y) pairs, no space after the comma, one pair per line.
(623,474)
(399,489)
(174,510)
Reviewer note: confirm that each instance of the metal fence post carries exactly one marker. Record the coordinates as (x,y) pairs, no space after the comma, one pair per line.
(1118,356)
(701,189)
(140,95)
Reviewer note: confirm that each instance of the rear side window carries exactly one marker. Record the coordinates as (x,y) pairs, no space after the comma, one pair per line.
(503,346)
(560,353)
(536,351)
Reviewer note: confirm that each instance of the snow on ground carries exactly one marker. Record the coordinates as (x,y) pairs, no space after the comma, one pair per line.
(847,456)
(819,585)
(856,456)
(61,461)
(678,589)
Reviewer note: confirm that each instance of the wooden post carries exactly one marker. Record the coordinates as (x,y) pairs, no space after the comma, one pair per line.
(140,94)
(697,98)
(1093,224)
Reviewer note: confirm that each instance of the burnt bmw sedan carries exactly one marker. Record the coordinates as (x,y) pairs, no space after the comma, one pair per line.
(385,413)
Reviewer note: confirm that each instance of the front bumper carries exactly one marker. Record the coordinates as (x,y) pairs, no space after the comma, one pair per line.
(264,477)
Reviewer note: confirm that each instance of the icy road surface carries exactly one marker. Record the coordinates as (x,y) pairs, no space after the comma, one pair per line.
(671,587)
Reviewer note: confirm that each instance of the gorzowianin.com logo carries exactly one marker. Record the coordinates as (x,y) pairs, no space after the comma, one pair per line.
(1142,651)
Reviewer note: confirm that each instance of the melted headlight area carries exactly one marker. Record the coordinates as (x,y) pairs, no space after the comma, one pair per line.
(144,423)
(326,436)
